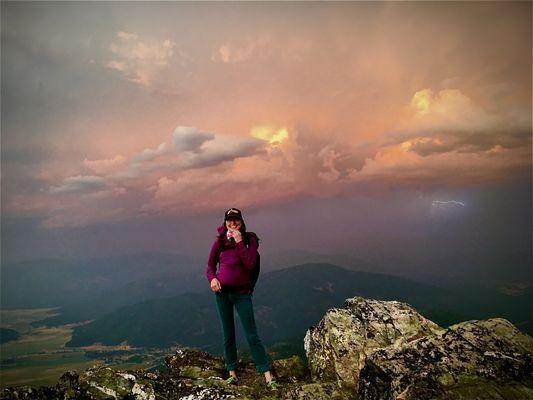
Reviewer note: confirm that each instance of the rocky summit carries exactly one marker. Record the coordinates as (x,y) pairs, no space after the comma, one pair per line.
(368,350)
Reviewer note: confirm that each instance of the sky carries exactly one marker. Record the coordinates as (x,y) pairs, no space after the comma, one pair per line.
(382,130)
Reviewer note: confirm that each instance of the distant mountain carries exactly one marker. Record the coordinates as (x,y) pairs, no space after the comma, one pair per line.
(446,268)
(73,283)
(87,289)
(188,317)
(120,280)
(131,293)
(286,303)
(443,269)
(284,258)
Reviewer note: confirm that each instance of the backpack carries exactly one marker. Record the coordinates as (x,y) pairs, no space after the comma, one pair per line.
(256,270)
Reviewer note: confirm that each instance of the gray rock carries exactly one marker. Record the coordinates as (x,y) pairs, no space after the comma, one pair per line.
(338,345)
(318,391)
(470,360)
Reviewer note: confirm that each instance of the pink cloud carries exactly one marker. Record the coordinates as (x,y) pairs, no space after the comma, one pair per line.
(142,60)
(105,166)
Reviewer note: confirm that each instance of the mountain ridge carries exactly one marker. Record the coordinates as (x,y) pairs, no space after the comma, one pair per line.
(296,305)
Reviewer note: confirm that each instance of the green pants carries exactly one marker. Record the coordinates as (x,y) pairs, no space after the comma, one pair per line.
(243,305)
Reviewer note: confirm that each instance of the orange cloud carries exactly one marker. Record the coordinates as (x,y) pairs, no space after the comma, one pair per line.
(448,138)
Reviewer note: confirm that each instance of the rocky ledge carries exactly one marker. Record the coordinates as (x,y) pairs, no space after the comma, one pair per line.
(368,350)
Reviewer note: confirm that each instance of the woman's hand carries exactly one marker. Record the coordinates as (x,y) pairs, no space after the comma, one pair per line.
(237,235)
(215,285)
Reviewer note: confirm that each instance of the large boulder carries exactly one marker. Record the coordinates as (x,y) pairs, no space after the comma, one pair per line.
(337,347)
(488,359)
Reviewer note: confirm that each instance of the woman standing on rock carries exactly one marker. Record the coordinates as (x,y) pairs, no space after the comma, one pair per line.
(236,252)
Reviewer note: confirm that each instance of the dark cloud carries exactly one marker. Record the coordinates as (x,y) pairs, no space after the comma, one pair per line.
(470,142)
(228,150)
(189,139)
(191,148)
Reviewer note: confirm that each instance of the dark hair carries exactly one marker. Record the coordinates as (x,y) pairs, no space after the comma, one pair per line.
(226,243)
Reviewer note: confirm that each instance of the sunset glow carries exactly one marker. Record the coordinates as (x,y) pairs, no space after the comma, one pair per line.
(173,116)
(271,135)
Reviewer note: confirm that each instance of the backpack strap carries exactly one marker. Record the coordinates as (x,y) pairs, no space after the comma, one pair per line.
(249,235)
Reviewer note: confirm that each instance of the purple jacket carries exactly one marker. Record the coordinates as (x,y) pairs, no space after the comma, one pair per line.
(236,265)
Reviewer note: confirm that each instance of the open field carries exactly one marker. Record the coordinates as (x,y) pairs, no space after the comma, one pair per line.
(39,356)
(20,320)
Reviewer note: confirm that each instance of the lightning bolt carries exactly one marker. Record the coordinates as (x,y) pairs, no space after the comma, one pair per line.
(440,203)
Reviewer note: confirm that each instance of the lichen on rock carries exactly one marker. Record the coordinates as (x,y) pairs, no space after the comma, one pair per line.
(485,352)
(338,345)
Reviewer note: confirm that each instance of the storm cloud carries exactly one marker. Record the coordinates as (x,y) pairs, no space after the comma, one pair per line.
(116,111)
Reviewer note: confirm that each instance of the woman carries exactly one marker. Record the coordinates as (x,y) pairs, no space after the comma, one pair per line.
(236,251)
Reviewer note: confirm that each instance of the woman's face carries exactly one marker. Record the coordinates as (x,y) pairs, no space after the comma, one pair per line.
(234,224)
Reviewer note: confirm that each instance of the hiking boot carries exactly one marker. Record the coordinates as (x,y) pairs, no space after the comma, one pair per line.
(232,380)
(273,385)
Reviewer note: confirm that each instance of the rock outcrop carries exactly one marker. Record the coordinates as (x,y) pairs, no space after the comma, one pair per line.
(190,375)
(368,350)
(381,350)
(470,360)
(338,346)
